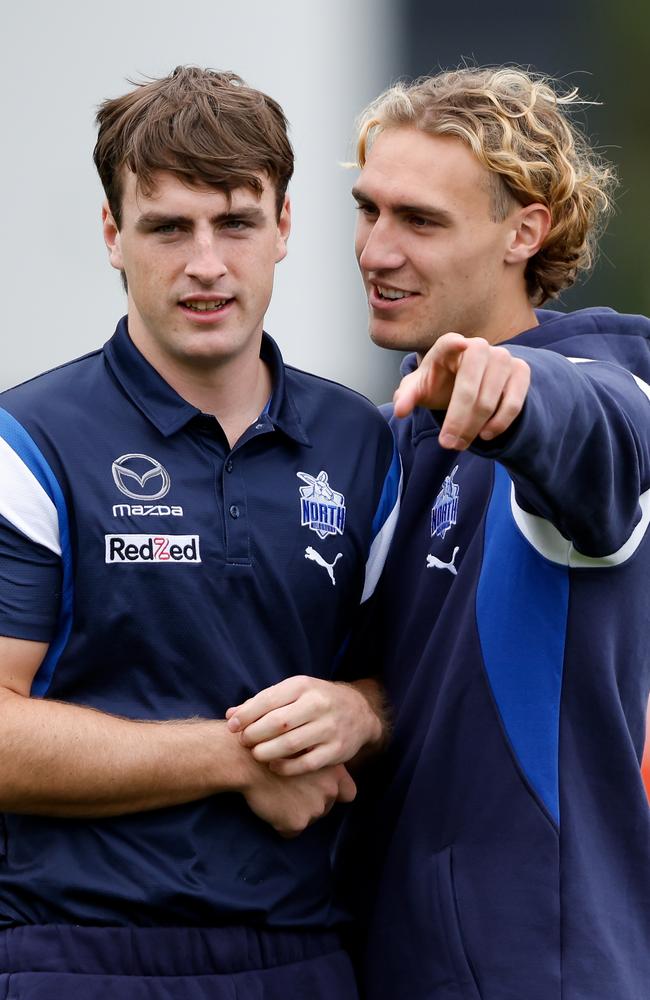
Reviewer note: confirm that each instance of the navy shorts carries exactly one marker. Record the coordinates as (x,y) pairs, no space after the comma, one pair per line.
(122,963)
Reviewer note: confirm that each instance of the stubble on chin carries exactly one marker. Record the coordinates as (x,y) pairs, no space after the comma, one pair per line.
(404,339)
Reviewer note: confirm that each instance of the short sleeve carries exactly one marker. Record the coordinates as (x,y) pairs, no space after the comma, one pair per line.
(30,586)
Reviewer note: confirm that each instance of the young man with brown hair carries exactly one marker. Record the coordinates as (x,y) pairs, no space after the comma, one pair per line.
(184,520)
(511,834)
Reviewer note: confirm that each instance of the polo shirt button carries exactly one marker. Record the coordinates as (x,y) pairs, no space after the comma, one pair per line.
(229,466)
(234,511)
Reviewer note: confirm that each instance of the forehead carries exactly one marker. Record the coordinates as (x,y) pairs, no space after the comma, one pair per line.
(169,192)
(408,166)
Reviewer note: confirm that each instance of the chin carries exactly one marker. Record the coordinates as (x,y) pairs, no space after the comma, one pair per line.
(392,339)
(384,334)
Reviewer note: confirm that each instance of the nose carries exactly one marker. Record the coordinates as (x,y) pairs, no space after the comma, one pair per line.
(206,262)
(378,247)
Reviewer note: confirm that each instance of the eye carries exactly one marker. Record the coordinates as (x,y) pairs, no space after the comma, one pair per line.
(368,210)
(237,225)
(166,228)
(420,221)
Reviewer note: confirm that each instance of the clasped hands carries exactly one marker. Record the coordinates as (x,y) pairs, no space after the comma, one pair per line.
(300,733)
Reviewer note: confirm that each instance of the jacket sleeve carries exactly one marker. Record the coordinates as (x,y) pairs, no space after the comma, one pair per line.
(579,456)
(383,522)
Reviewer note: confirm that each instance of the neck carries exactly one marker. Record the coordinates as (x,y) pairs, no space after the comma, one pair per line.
(235,390)
(502,326)
(235,394)
(512,324)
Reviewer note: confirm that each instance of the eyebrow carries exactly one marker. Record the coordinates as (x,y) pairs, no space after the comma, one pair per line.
(404,208)
(247,214)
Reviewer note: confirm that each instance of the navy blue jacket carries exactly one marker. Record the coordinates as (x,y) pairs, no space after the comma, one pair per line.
(173,577)
(509,838)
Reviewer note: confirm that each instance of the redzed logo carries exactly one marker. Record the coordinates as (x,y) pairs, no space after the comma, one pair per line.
(152,548)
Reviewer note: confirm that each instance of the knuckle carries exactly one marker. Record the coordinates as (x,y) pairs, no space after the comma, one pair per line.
(502,420)
(313,702)
(520,369)
(477,346)
(291,829)
(330,788)
(509,410)
(485,407)
(331,735)
(324,696)
(292,741)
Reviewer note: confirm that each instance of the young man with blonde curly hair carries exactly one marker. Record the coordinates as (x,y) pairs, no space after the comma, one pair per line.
(511,832)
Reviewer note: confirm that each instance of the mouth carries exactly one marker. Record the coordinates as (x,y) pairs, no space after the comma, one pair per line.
(205,309)
(387,297)
(386,292)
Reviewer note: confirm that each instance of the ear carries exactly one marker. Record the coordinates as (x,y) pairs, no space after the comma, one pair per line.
(112,238)
(530,226)
(284,228)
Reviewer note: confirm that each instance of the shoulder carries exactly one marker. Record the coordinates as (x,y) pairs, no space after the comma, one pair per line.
(68,375)
(601,329)
(41,396)
(595,334)
(321,398)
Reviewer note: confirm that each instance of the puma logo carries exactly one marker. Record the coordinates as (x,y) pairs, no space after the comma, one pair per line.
(434,563)
(317,558)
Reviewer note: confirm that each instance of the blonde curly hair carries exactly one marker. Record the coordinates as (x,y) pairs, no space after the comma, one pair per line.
(518,127)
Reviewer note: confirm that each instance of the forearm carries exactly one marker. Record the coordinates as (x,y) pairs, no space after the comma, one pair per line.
(66,760)
(579,454)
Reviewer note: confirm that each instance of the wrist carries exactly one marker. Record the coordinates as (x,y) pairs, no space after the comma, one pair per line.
(237,769)
(374,715)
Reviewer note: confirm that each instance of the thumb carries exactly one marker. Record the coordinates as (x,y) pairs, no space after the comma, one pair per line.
(347,787)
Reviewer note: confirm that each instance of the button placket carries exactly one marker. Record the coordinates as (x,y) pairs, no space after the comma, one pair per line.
(233,484)
(236,526)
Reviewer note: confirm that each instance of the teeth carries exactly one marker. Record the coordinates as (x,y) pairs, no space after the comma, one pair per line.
(205,306)
(391,293)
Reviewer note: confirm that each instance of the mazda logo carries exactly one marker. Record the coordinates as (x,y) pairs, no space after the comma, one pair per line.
(141,477)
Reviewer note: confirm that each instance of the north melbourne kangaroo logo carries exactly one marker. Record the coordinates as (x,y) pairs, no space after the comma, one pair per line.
(445,510)
(322,509)
(434,563)
(317,558)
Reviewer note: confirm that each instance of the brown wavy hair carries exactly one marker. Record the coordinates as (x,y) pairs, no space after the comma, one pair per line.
(518,126)
(204,126)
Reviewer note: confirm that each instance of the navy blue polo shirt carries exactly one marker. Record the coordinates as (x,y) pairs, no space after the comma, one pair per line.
(174,576)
